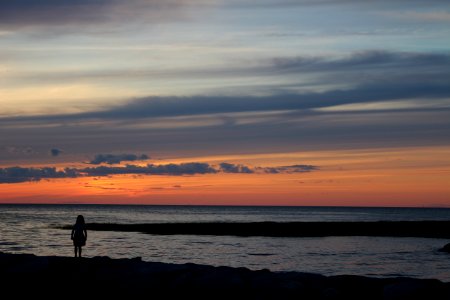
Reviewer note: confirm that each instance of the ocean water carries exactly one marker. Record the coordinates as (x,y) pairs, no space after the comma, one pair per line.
(31,229)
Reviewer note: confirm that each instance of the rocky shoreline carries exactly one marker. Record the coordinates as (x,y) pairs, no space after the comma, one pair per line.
(52,276)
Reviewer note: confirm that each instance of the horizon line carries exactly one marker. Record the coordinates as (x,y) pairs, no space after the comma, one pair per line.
(219,205)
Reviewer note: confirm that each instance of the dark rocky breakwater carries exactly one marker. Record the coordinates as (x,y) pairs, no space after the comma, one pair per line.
(47,276)
(426,229)
(446,248)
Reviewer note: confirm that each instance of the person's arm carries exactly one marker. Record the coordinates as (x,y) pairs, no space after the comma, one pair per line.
(85,234)
(71,235)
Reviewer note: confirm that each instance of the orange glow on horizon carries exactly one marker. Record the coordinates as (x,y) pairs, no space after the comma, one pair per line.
(383,177)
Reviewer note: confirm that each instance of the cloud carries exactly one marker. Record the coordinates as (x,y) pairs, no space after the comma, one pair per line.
(116,158)
(270,4)
(20,174)
(239,168)
(151,169)
(55,152)
(373,60)
(19,14)
(289,169)
(156,107)
(31,14)
(262,132)
(429,16)
(368,76)
(25,150)
(322,2)
(386,98)
(232,168)
(375,65)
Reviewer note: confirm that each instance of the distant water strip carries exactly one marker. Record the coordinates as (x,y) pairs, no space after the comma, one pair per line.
(425,229)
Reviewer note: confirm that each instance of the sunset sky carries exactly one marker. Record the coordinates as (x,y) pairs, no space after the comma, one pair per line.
(225,102)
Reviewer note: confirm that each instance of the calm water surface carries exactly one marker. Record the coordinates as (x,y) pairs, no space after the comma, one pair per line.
(28,229)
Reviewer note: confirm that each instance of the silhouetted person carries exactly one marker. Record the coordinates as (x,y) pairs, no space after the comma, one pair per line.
(79,235)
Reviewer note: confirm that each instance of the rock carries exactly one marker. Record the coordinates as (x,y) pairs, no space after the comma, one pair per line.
(330,293)
(408,288)
(446,248)
(28,276)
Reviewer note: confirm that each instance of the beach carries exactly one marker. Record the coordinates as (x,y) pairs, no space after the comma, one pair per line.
(48,276)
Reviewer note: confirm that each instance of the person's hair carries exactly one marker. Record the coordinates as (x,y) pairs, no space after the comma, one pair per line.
(80,220)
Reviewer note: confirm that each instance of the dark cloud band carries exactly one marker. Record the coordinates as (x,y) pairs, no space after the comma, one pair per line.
(307,119)
(20,174)
(375,76)
(116,158)
(83,13)
(55,152)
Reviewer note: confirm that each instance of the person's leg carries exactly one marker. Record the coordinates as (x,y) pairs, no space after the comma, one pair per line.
(75,248)
(80,252)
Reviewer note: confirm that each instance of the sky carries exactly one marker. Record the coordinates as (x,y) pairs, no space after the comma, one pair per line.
(225,102)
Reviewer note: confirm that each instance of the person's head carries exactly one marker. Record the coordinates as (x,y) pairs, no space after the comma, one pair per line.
(80,220)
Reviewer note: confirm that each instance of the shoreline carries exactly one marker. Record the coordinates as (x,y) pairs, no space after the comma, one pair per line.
(219,205)
(103,276)
(422,229)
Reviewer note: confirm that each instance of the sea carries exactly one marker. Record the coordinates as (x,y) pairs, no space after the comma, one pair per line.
(36,229)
